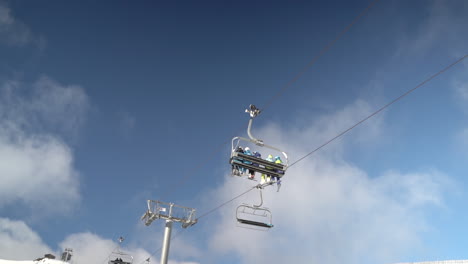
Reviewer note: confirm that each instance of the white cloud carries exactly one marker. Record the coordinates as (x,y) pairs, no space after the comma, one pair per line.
(463,136)
(328,210)
(59,105)
(14,32)
(37,168)
(46,105)
(38,171)
(127,123)
(182,250)
(460,87)
(444,24)
(36,165)
(19,242)
(462,90)
(91,248)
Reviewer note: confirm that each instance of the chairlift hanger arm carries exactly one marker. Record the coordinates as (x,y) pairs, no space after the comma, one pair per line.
(261,199)
(253,111)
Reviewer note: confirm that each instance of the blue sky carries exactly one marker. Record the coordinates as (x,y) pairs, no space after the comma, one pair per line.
(104,105)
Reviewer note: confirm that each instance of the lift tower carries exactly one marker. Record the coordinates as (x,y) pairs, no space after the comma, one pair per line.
(171,213)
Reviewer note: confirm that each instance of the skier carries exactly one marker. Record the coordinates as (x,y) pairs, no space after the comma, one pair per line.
(267,178)
(251,172)
(236,170)
(278,179)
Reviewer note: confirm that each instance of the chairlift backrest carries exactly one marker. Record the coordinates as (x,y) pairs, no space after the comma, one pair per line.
(260,165)
(248,215)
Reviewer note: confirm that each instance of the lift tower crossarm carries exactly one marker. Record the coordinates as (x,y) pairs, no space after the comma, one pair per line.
(171,213)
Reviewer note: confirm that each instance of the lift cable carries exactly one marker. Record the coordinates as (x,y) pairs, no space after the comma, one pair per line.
(350,128)
(108,256)
(113,250)
(201,216)
(380,109)
(319,55)
(223,204)
(275,97)
(159,249)
(327,47)
(337,136)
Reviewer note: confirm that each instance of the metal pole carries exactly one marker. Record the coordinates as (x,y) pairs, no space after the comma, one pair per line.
(166,242)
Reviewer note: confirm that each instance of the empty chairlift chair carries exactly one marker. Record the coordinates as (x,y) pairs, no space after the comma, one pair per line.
(255,215)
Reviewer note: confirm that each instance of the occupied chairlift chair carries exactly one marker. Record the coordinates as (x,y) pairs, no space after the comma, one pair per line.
(119,257)
(241,160)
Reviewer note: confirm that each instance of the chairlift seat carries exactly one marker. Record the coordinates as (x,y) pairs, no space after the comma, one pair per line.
(254,223)
(250,215)
(119,262)
(259,165)
(260,161)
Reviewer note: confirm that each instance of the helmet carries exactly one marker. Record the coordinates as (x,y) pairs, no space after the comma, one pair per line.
(247,148)
(277,158)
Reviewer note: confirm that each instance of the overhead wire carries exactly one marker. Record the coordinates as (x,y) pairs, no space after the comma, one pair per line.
(319,55)
(381,109)
(337,136)
(205,214)
(174,237)
(330,44)
(352,127)
(113,250)
(108,256)
(293,80)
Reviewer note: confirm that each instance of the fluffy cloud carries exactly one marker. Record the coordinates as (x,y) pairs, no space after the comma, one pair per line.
(44,106)
(444,24)
(460,87)
(36,170)
(19,242)
(14,32)
(462,90)
(127,123)
(329,210)
(90,248)
(36,166)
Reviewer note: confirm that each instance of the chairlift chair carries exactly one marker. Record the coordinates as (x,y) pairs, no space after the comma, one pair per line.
(254,215)
(240,160)
(119,257)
